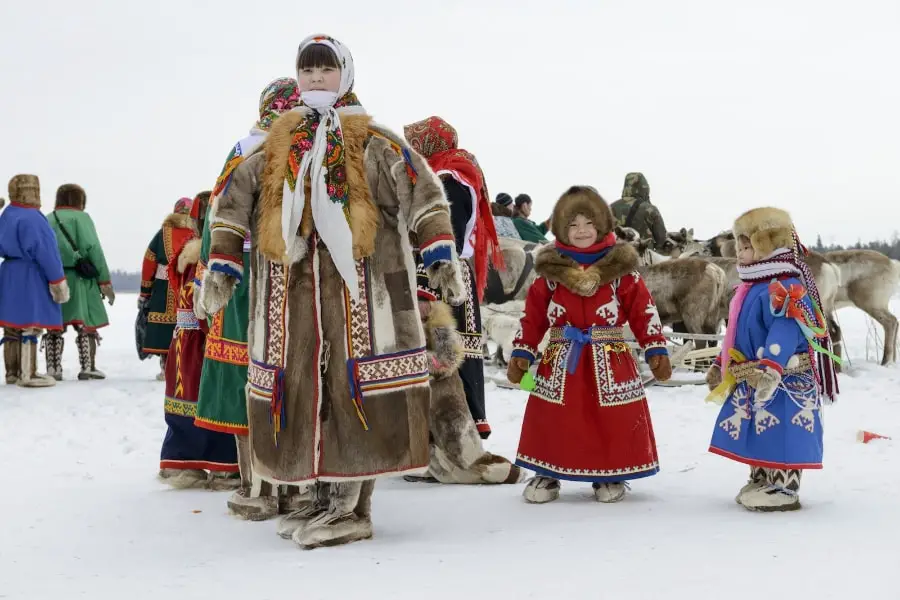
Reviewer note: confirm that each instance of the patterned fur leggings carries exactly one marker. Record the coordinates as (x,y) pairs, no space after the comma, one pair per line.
(788,479)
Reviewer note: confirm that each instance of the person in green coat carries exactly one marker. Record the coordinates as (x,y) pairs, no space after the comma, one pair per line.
(77,239)
(528,230)
(222,404)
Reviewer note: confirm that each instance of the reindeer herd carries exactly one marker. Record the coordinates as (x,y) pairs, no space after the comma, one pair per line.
(694,283)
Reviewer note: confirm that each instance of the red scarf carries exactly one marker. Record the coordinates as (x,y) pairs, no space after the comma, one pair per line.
(436,140)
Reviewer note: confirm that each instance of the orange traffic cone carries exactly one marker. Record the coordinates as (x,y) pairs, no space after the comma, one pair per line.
(867,436)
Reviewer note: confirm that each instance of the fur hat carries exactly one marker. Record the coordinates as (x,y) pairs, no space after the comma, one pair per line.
(522,199)
(70,195)
(25,189)
(504,199)
(581,200)
(636,186)
(767,228)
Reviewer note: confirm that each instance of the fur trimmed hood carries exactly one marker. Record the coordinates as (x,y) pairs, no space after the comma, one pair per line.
(768,229)
(25,189)
(189,255)
(583,200)
(70,195)
(636,187)
(584,281)
(180,221)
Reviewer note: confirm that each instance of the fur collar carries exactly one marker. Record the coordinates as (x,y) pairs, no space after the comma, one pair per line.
(190,254)
(364,216)
(180,221)
(584,281)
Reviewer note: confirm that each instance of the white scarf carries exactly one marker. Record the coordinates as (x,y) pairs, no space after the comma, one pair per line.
(329,217)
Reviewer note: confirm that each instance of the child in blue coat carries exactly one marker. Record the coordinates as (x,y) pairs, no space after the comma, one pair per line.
(775,368)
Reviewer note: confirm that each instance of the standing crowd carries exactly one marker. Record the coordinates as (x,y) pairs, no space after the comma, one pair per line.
(317,320)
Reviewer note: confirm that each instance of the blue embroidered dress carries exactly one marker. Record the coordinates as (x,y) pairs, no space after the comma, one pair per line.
(785,432)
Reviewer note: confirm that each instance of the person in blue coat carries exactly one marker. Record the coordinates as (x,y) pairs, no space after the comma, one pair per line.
(32,282)
(775,371)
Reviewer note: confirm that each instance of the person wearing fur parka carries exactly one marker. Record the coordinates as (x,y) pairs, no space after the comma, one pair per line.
(156,298)
(338,381)
(77,239)
(188,451)
(587,418)
(775,370)
(32,282)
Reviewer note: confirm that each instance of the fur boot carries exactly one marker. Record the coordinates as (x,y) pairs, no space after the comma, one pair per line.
(348,518)
(28,375)
(87,343)
(541,490)
(12,354)
(53,344)
(184,479)
(291,498)
(311,503)
(609,492)
(221,481)
(262,505)
(758,478)
(781,493)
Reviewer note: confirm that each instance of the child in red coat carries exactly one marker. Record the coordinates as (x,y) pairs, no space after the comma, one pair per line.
(587,418)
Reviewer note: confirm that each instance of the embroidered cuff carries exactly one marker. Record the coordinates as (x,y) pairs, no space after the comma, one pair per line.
(229,265)
(524,353)
(650,352)
(437,249)
(772,364)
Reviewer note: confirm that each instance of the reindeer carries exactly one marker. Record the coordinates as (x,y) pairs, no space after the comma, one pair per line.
(868,279)
(689,292)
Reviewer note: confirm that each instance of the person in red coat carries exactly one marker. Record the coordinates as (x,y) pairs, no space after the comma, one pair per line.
(587,417)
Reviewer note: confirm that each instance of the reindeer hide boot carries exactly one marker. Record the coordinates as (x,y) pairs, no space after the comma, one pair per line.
(347,520)
(53,343)
(781,494)
(28,375)
(758,479)
(243,503)
(12,353)
(312,503)
(87,343)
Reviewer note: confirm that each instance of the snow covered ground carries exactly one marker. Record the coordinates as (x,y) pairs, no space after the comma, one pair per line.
(83,515)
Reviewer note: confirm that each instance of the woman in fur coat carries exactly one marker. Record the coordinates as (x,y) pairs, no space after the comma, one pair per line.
(32,282)
(587,418)
(156,297)
(476,243)
(84,311)
(774,384)
(188,452)
(223,398)
(338,378)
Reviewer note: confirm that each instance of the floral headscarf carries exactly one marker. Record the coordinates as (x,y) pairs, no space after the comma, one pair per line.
(437,141)
(317,151)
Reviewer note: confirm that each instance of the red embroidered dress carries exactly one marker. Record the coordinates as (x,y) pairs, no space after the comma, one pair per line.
(587,418)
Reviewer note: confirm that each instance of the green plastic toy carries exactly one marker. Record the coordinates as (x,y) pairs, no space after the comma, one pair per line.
(527,383)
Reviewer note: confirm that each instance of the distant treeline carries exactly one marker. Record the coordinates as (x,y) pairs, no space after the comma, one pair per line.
(888,248)
(125,282)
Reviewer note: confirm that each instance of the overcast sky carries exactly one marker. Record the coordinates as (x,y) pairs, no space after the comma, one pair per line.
(723,105)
